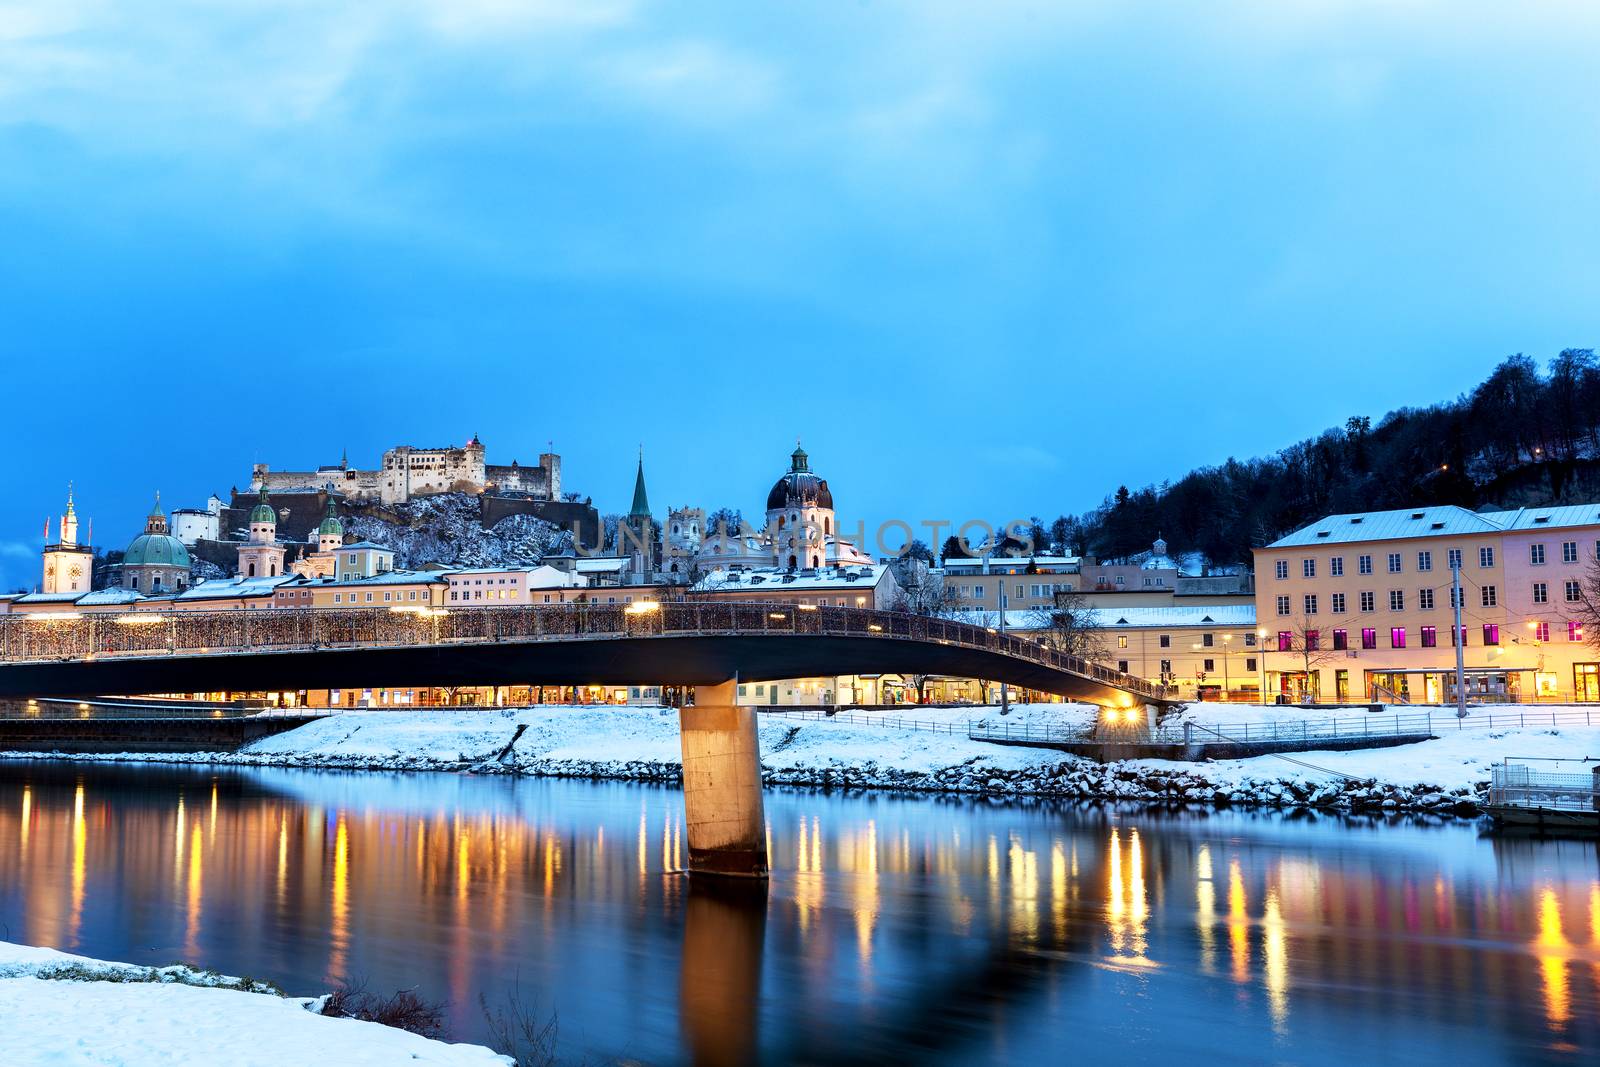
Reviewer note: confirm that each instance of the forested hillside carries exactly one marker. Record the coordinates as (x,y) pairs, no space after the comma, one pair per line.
(1521,438)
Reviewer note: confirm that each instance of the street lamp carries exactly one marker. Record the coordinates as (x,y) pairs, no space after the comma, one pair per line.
(1261,643)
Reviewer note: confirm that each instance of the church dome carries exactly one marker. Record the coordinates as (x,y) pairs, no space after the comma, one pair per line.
(156,550)
(263,512)
(799,487)
(331,526)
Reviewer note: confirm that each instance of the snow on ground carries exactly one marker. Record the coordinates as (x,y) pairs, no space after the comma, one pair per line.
(118,1013)
(1458,758)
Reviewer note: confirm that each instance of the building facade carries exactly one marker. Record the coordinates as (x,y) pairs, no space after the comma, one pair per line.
(1361,606)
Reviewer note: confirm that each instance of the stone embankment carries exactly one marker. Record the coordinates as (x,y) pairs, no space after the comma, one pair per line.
(1068,779)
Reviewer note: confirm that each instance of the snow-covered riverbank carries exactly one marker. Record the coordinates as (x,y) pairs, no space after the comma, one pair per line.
(65,1009)
(1446,774)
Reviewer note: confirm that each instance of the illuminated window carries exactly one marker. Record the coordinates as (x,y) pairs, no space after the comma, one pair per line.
(1369,637)
(1397,637)
(1430,636)
(1122,642)
(1491,633)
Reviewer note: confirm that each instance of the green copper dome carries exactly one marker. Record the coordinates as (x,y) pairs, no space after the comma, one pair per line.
(156,550)
(331,526)
(263,512)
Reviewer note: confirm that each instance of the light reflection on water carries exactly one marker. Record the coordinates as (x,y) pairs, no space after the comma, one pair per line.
(949,931)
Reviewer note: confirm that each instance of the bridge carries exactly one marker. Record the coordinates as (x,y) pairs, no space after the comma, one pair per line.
(705,645)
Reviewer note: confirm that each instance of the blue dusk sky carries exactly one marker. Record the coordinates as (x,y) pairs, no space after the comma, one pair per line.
(986,259)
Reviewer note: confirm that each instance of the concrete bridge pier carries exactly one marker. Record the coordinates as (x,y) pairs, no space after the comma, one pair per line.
(722,784)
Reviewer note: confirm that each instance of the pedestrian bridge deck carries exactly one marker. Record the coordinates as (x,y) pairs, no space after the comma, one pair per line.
(673,643)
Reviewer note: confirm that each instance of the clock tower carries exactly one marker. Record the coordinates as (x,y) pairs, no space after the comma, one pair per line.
(68,564)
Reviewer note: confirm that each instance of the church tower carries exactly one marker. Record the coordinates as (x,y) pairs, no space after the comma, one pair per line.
(261,556)
(68,565)
(636,535)
(800,516)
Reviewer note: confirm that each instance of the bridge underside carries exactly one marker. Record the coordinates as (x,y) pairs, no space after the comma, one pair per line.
(688,660)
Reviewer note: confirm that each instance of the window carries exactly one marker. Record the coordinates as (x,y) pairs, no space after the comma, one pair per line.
(1285,641)
(1369,637)
(1394,563)
(1341,640)
(1337,604)
(1487,595)
(1574,630)
(1166,666)
(1462,598)
(1208,640)
(1430,636)
(1369,601)
(1311,603)
(1122,665)
(1425,599)
(1573,592)
(1250,640)
(1541,631)
(1308,568)
(977,590)
(1397,600)
(1569,552)
(1397,637)
(1486,556)
(1536,554)
(1424,561)
(1122,641)
(1453,557)
(1541,593)
(1281,569)
(1165,640)
(1491,633)
(1250,663)
(1208,665)
(1364,564)
(1283,605)
(1336,566)
(1313,640)
(1453,637)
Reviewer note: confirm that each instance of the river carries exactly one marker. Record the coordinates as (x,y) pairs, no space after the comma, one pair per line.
(896,928)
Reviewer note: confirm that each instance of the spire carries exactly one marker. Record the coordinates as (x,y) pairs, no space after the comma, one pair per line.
(155,511)
(798,460)
(641,500)
(69,521)
(156,521)
(344,458)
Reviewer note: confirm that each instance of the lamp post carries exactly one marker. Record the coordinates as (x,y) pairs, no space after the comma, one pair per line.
(1261,641)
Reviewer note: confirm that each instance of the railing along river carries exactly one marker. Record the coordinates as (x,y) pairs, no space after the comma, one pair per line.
(37,637)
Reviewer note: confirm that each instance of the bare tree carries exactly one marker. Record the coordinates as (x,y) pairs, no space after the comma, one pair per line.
(1071,626)
(1309,647)
(921,591)
(1586,612)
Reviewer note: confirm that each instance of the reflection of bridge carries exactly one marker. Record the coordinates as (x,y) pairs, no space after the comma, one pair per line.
(689,644)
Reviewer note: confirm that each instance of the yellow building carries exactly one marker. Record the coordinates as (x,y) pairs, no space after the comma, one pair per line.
(1359,606)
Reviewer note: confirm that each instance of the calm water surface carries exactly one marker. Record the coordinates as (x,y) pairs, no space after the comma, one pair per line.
(894,929)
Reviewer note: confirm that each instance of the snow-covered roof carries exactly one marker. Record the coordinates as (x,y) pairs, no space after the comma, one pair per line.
(1528,519)
(990,564)
(1446,521)
(771,578)
(50,598)
(226,588)
(114,595)
(601,564)
(364,546)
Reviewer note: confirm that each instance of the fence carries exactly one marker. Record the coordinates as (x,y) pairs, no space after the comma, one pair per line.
(40,636)
(1517,785)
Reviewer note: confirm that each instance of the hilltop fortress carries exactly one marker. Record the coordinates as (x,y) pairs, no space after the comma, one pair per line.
(409,472)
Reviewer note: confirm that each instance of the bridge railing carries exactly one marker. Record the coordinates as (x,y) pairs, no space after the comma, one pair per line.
(47,636)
